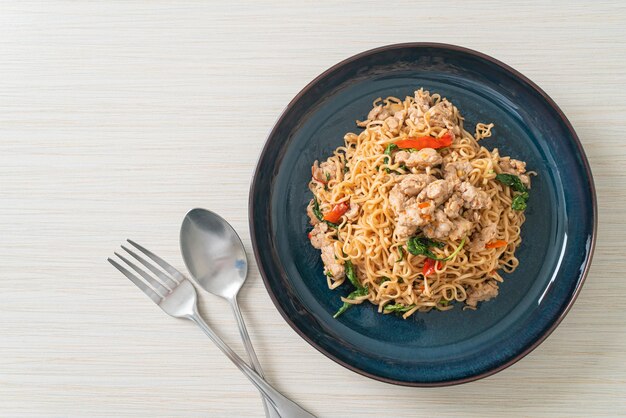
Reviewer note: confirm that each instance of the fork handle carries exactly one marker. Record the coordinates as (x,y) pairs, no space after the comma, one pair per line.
(285,406)
(270,412)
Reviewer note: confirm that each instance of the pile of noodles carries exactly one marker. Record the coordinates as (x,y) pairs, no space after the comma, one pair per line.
(392,275)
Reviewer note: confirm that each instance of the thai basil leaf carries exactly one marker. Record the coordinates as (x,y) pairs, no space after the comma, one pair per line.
(422,245)
(318,213)
(398,307)
(357,293)
(316,209)
(360,289)
(519,201)
(390,148)
(512,181)
(351,274)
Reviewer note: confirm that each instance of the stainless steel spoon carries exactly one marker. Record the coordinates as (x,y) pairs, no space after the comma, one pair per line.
(216,259)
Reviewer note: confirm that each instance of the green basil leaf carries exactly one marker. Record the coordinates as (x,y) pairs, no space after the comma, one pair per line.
(390,148)
(351,275)
(421,246)
(398,307)
(359,292)
(519,201)
(316,209)
(318,213)
(512,181)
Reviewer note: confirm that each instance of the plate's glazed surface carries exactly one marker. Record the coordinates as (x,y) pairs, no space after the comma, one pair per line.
(434,348)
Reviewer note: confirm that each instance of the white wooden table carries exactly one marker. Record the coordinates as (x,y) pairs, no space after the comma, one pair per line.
(117,117)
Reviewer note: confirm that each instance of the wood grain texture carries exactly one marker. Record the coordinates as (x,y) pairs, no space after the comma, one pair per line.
(117,117)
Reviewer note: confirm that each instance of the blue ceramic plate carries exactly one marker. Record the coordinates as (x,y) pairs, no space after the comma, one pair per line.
(434,348)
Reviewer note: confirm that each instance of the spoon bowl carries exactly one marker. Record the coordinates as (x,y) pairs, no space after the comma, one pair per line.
(213,253)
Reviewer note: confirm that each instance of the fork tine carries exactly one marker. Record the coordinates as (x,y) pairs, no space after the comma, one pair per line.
(138,282)
(178,276)
(158,286)
(164,277)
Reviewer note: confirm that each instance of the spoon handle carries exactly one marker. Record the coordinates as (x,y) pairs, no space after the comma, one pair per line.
(270,412)
(285,406)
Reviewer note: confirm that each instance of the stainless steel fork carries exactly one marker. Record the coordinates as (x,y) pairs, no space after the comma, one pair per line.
(175,294)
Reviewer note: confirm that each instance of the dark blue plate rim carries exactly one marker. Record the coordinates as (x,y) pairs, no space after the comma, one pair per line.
(513,72)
